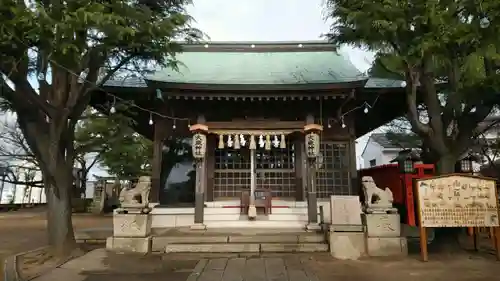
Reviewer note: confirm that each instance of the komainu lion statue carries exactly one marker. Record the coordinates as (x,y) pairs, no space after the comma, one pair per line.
(383,198)
(130,196)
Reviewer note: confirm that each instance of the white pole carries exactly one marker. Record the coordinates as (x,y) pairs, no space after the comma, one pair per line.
(252,211)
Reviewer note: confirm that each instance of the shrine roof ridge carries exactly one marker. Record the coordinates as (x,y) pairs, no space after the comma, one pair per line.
(259,46)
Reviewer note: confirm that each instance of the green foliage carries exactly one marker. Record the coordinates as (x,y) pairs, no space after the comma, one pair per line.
(116,145)
(68,31)
(119,148)
(131,157)
(425,42)
(114,142)
(73,48)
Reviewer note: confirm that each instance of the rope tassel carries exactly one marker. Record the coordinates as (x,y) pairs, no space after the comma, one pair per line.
(236,142)
(221,141)
(282,142)
(253,145)
(268,142)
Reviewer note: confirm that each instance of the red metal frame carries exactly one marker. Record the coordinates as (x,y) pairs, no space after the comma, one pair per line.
(401,186)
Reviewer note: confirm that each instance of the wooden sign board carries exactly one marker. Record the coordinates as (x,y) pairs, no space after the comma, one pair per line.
(457,201)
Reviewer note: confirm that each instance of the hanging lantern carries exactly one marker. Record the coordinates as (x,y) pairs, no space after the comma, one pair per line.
(243,142)
(199,146)
(312,145)
(229,141)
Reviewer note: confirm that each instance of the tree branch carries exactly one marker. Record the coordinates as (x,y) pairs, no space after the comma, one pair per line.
(411,100)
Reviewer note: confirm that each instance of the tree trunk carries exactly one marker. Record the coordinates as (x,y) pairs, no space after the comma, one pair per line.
(446,239)
(446,164)
(59,222)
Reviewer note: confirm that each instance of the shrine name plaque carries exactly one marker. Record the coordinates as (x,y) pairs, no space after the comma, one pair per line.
(457,201)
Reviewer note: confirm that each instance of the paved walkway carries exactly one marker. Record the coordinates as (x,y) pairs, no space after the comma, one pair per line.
(100,265)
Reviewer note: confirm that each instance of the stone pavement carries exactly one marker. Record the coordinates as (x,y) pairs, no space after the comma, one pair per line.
(99,265)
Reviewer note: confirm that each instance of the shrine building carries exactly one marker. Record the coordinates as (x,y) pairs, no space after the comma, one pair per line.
(256,104)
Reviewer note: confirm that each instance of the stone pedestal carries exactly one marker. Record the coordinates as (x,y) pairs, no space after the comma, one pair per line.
(383,235)
(382,225)
(386,246)
(346,233)
(129,244)
(131,233)
(131,225)
(313,227)
(198,226)
(347,245)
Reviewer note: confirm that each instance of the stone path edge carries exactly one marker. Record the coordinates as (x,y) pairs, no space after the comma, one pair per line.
(10,269)
(11,272)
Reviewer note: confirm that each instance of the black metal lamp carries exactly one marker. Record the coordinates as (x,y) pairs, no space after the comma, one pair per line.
(466,164)
(406,161)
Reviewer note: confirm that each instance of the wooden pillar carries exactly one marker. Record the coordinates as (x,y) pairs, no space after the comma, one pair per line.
(159,129)
(199,207)
(312,201)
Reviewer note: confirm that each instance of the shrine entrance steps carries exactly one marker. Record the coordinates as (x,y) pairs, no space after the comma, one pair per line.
(250,241)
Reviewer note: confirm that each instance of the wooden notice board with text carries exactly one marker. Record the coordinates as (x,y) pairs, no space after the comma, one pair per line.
(456,200)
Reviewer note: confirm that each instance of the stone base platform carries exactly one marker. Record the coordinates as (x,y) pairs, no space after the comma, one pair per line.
(129,244)
(237,241)
(386,246)
(347,245)
(186,240)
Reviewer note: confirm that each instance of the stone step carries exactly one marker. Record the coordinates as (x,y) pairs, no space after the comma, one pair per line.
(299,225)
(293,210)
(294,248)
(246,248)
(258,238)
(212,248)
(271,217)
(288,217)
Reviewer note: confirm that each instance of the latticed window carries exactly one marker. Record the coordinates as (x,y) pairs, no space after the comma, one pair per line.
(232,172)
(274,169)
(334,172)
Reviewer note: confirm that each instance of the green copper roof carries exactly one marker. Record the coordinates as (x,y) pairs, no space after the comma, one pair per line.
(384,83)
(274,64)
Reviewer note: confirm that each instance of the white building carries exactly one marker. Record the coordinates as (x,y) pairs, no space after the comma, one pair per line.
(21,193)
(379,150)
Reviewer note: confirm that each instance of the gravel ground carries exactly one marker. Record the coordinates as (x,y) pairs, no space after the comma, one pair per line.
(25,230)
